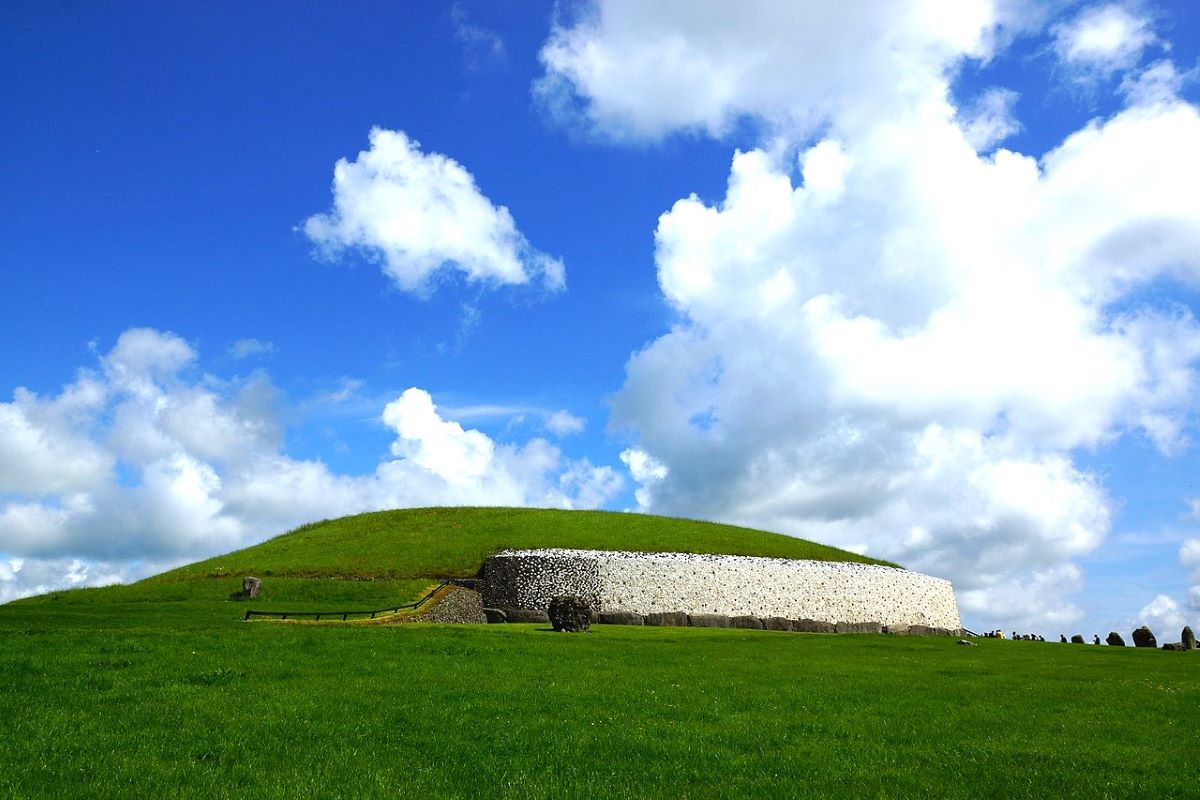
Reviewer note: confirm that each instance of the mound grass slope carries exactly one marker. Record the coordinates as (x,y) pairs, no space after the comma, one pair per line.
(453,542)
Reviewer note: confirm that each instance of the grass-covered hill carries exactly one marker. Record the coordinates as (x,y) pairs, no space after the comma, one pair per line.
(453,542)
(385,558)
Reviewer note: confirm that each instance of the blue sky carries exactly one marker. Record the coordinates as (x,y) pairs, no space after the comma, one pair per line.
(828,272)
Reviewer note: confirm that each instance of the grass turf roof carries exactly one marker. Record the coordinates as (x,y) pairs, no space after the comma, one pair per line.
(453,542)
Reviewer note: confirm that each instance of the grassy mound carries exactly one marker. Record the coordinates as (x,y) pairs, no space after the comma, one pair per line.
(385,558)
(453,542)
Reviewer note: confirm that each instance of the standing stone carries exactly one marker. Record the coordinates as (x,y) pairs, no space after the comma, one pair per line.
(1077,639)
(570,614)
(251,587)
(1115,640)
(1188,638)
(1144,637)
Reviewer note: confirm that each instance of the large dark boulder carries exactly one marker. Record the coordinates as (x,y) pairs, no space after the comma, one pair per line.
(858,627)
(1144,637)
(1115,640)
(746,621)
(673,618)
(621,618)
(495,615)
(1077,639)
(814,626)
(708,620)
(778,624)
(1188,638)
(1176,646)
(570,614)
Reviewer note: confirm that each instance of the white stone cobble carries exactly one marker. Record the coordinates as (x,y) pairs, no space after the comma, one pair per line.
(646,583)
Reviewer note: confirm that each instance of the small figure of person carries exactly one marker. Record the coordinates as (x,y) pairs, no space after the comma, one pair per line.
(1062,637)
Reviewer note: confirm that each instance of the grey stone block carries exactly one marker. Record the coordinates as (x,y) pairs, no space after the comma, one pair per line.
(778,624)
(526,615)
(814,626)
(1115,640)
(1144,637)
(858,627)
(708,620)
(495,615)
(746,621)
(674,618)
(621,618)
(928,630)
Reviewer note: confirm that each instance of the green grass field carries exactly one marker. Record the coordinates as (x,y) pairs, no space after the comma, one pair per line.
(158,689)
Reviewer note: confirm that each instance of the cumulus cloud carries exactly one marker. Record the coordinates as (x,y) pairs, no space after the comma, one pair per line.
(1189,556)
(1104,39)
(564,423)
(1163,616)
(421,215)
(138,464)
(990,119)
(631,69)
(891,341)
(646,471)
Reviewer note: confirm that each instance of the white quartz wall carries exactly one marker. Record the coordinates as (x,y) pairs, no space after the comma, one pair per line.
(646,583)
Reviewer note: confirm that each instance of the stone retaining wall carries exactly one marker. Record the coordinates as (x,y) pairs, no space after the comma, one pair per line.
(649,583)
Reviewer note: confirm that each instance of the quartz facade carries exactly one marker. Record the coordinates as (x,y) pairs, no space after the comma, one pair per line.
(649,583)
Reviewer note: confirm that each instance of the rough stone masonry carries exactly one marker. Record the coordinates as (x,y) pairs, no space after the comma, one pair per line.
(647,583)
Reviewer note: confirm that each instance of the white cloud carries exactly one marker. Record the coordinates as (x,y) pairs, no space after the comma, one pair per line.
(41,446)
(632,69)
(646,471)
(138,467)
(421,214)
(990,119)
(1159,82)
(248,348)
(564,423)
(899,351)
(1164,617)
(1189,557)
(1104,39)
